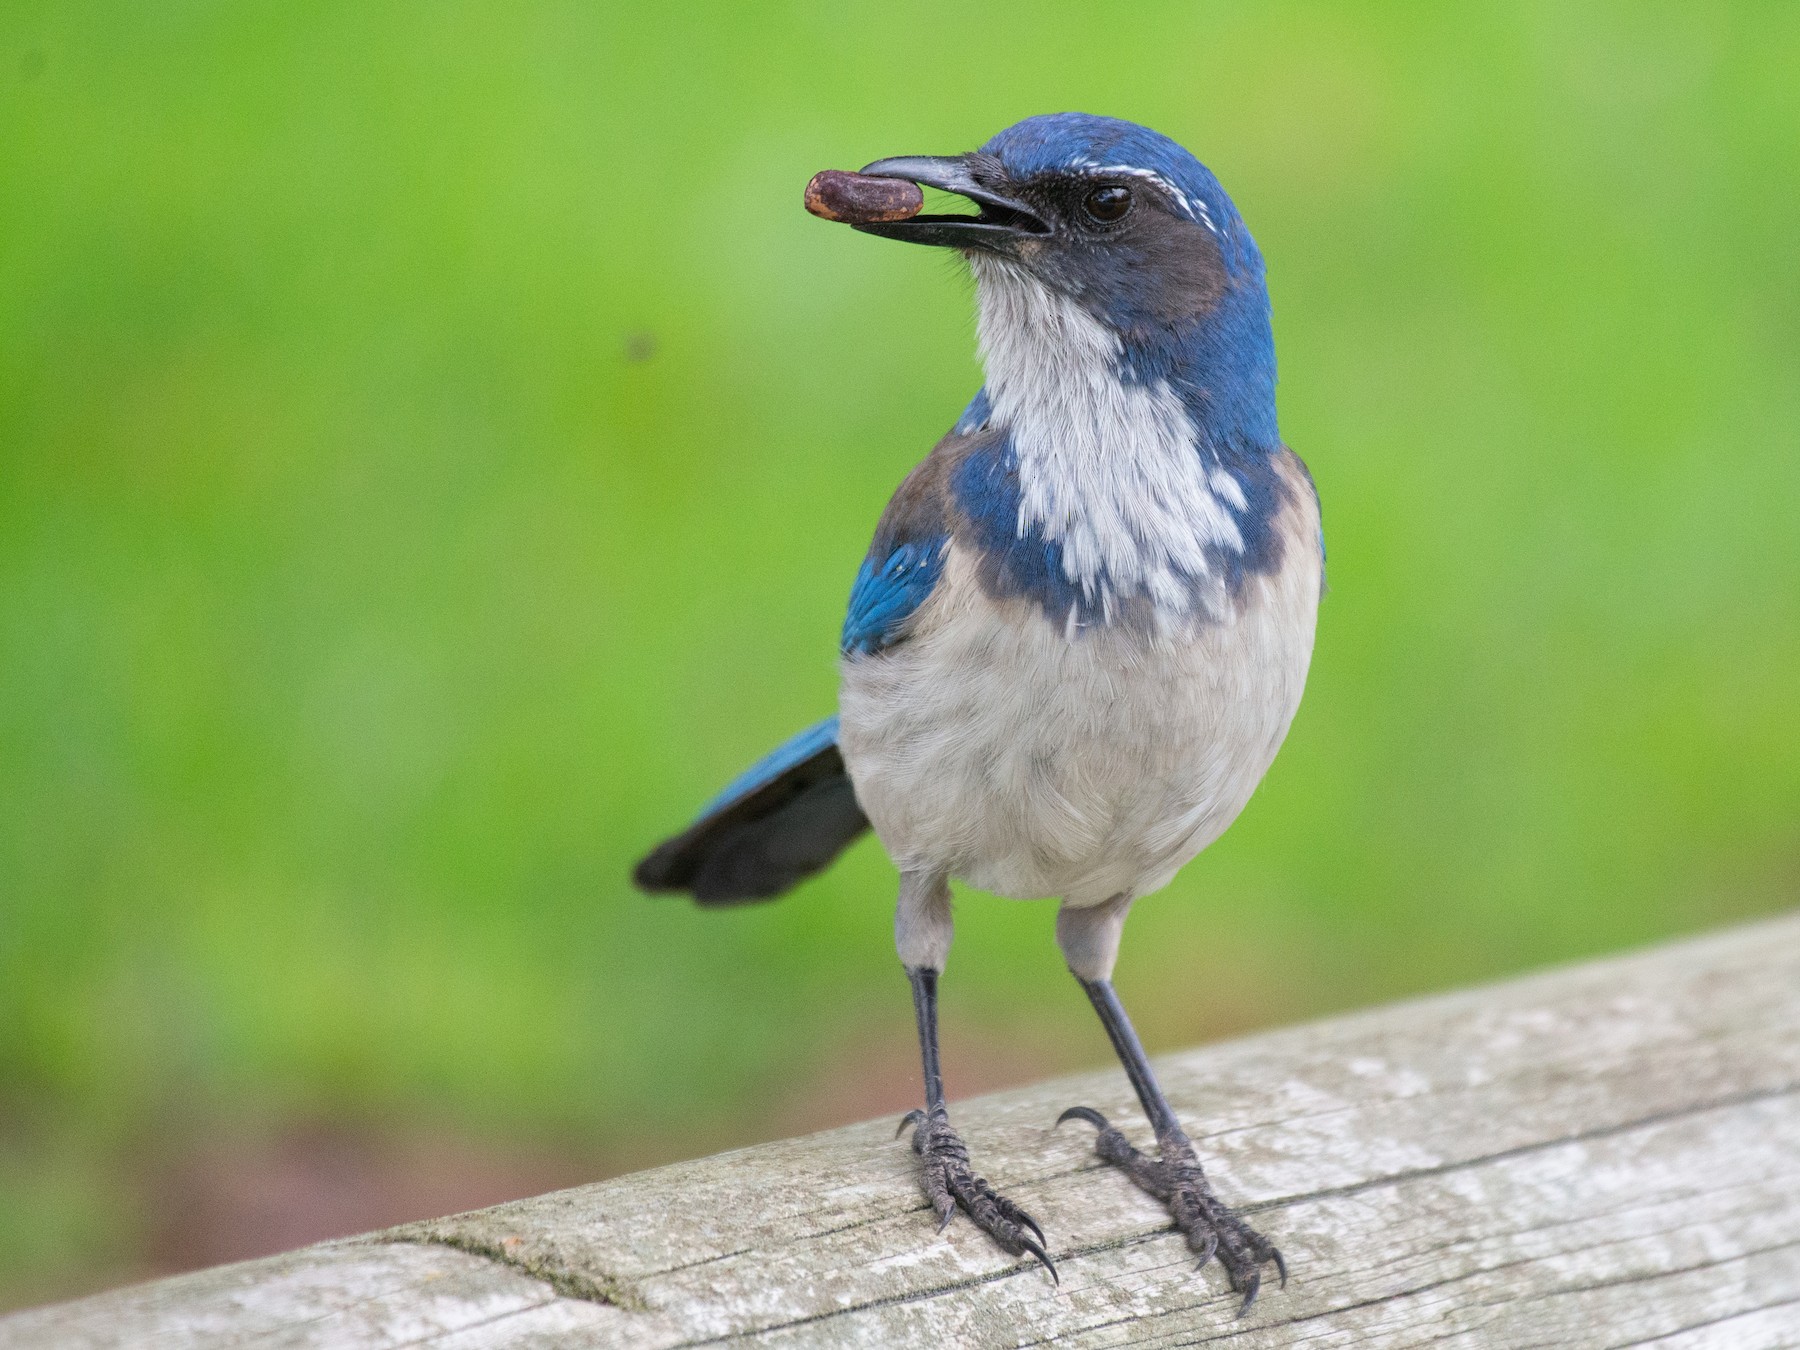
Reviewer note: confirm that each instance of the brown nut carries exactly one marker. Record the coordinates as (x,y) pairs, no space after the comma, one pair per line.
(859,200)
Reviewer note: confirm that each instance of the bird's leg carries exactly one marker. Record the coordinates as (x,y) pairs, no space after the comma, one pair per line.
(946,1177)
(1174,1176)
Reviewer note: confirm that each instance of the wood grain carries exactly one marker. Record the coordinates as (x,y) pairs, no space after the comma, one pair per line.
(1604,1155)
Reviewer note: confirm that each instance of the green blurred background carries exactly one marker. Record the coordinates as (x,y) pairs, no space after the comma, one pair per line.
(435,446)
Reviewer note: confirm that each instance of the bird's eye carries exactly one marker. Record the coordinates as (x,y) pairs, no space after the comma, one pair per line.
(1107,204)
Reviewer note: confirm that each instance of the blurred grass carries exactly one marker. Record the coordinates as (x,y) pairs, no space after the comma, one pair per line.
(435,446)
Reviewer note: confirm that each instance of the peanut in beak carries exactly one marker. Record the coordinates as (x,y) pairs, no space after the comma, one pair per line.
(856,199)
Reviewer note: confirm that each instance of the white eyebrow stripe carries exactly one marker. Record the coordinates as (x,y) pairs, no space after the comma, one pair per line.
(1196,210)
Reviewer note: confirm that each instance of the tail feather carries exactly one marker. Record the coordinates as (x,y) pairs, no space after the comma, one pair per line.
(781,820)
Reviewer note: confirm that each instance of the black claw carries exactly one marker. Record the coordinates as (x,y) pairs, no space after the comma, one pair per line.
(1018,1216)
(1251,1286)
(1212,1230)
(1209,1251)
(912,1117)
(1086,1113)
(950,1184)
(1038,1252)
(1030,1223)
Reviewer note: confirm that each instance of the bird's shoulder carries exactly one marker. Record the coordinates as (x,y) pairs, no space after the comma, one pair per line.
(906,556)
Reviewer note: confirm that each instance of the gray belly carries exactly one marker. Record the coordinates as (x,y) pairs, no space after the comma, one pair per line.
(996,747)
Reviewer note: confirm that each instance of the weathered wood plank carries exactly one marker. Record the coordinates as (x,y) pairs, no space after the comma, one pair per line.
(1606,1155)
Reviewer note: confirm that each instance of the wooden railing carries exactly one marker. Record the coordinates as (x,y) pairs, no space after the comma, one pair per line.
(1602,1155)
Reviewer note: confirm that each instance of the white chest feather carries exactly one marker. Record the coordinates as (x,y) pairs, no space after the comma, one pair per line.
(1108,469)
(993,747)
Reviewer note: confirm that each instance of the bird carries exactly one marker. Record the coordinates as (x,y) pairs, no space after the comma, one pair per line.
(1082,628)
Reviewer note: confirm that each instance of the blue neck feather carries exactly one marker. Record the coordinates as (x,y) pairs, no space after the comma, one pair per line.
(1223,368)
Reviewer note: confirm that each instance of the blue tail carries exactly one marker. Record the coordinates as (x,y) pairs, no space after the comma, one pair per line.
(781,820)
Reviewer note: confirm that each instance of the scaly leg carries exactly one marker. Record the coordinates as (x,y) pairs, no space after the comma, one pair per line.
(1089,939)
(923,933)
(947,1179)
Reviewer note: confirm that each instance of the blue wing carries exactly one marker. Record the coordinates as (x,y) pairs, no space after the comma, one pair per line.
(889,586)
(907,556)
(778,822)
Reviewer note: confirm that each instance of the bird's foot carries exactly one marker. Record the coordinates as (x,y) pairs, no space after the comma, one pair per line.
(1176,1179)
(949,1181)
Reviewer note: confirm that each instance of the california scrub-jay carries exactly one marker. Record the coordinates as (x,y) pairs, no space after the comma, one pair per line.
(1085,621)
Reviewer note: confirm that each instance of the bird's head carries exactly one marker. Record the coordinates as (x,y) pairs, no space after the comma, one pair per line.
(1126,227)
(1111,214)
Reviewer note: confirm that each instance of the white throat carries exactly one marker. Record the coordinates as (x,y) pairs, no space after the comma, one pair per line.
(1110,470)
